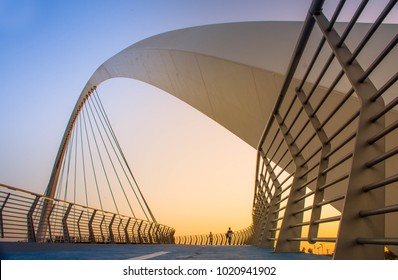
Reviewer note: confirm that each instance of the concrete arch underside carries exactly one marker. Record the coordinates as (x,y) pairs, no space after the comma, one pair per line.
(231,72)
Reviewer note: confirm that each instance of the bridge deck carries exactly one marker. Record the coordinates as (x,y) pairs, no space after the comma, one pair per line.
(75,251)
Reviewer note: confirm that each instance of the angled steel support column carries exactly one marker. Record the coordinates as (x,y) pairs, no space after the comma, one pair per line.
(90,227)
(140,240)
(44,218)
(31,227)
(78,226)
(287,235)
(1,215)
(134,240)
(101,229)
(150,234)
(168,234)
(324,163)
(49,221)
(145,236)
(126,231)
(268,235)
(119,239)
(65,229)
(110,229)
(352,226)
(163,235)
(156,230)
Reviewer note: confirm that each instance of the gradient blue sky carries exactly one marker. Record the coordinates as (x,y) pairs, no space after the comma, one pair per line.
(48,51)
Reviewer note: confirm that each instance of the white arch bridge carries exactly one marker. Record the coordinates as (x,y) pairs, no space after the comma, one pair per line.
(317,99)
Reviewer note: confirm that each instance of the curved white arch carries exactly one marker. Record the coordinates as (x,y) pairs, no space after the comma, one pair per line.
(215,69)
(231,72)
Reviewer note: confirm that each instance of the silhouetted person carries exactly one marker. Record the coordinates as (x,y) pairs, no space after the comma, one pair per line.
(229,236)
(211,238)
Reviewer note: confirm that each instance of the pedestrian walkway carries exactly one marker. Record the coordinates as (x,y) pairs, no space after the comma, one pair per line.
(75,251)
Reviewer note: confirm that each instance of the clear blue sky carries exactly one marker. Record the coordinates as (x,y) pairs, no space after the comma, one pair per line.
(48,51)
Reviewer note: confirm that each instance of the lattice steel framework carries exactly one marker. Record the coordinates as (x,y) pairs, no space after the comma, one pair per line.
(331,147)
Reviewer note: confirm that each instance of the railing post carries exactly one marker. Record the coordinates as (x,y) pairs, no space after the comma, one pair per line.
(157,237)
(268,236)
(65,229)
(170,235)
(134,239)
(146,233)
(159,234)
(140,240)
(150,234)
(90,227)
(119,239)
(101,229)
(352,226)
(49,222)
(324,163)
(291,217)
(1,215)
(78,226)
(110,229)
(126,231)
(44,218)
(31,227)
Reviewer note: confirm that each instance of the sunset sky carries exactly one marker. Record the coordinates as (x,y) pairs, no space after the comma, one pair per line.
(196,176)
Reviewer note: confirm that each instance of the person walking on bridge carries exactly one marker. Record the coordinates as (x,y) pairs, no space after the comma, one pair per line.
(229,236)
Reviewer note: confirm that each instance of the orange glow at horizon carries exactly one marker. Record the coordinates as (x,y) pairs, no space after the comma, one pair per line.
(196,176)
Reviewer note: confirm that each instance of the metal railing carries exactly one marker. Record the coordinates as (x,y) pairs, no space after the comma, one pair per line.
(241,237)
(327,157)
(20,213)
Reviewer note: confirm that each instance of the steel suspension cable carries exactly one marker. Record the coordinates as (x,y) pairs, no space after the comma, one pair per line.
(102,162)
(76,129)
(83,163)
(96,95)
(68,167)
(75,171)
(104,116)
(59,184)
(90,103)
(59,189)
(83,113)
